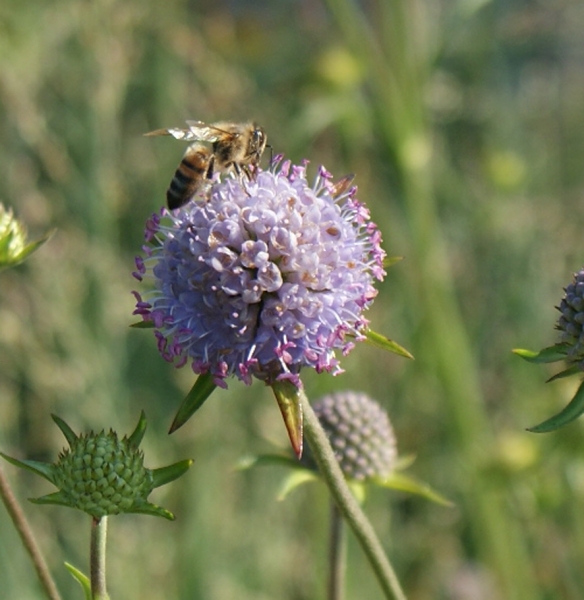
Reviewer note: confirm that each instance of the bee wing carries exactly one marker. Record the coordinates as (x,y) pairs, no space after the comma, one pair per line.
(197,131)
(175,132)
(204,132)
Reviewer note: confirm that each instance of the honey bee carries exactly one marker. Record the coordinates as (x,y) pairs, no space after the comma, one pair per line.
(237,146)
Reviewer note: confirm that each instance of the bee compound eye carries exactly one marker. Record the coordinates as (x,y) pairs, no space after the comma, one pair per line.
(259,136)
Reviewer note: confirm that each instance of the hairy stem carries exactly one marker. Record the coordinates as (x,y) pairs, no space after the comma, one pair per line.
(348,505)
(24,531)
(97,558)
(337,555)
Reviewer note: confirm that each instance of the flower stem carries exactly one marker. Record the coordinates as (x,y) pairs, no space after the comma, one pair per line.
(337,555)
(348,505)
(97,558)
(27,537)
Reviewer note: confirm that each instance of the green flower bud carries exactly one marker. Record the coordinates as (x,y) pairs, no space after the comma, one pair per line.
(101,474)
(13,243)
(360,434)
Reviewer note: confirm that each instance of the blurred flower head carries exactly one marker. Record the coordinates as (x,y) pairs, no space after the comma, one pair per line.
(571,321)
(360,434)
(363,441)
(570,349)
(263,279)
(14,246)
(102,474)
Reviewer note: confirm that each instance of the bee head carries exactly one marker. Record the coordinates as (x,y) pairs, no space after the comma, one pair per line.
(258,141)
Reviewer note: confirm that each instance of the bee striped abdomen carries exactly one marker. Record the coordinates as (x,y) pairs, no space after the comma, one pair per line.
(193,171)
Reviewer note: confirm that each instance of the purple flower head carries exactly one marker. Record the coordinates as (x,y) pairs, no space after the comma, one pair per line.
(265,278)
(571,321)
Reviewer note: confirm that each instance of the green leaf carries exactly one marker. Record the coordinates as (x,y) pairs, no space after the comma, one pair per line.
(154,511)
(389,261)
(380,341)
(55,498)
(358,489)
(572,411)
(295,480)
(547,355)
(143,325)
(82,579)
(288,397)
(203,388)
(8,260)
(404,461)
(69,434)
(573,370)
(269,460)
(43,469)
(5,242)
(33,246)
(165,475)
(404,483)
(300,473)
(137,435)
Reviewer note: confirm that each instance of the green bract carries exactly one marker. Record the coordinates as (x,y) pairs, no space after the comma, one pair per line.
(570,349)
(102,475)
(13,243)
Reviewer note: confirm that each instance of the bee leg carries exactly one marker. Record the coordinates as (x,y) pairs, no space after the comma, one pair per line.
(210,167)
(236,168)
(248,172)
(239,171)
(242,170)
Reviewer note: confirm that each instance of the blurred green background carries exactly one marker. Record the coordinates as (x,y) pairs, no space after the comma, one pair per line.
(463,121)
